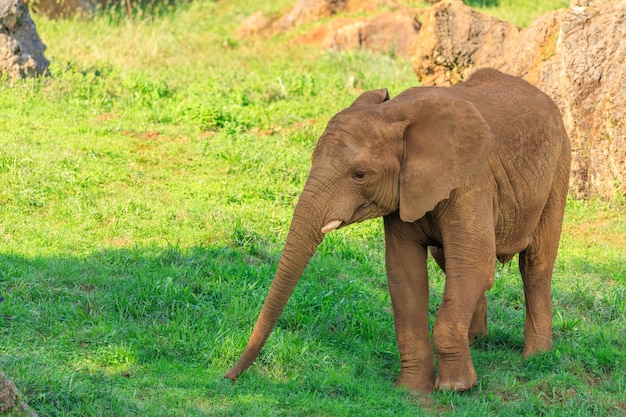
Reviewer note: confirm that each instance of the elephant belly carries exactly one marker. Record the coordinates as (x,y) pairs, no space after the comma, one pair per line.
(517,216)
(512,238)
(507,248)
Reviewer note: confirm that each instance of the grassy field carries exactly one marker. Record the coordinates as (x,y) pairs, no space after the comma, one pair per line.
(146,189)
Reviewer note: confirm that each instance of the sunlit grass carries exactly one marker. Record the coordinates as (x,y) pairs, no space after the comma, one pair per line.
(520,12)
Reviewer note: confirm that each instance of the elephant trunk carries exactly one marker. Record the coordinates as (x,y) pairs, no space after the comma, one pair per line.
(305,235)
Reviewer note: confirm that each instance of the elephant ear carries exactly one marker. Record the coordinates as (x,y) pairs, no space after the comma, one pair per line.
(371,97)
(445,142)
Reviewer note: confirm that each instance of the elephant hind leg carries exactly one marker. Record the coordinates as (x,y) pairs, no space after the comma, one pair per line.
(469,273)
(478,325)
(438,256)
(536,263)
(537,277)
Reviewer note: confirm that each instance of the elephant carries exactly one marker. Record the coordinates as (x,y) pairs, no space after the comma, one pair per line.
(477,172)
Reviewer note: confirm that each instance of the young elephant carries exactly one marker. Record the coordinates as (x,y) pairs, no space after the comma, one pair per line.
(475,171)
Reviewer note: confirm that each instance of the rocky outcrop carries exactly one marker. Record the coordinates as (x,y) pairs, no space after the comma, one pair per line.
(590,63)
(255,24)
(390,33)
(576,55)
(455,37)
(21,49)
(306,11)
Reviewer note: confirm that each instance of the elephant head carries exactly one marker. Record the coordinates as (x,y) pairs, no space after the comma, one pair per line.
(376,157)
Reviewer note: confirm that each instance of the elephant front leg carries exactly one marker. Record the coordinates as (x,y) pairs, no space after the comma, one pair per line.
(408,285)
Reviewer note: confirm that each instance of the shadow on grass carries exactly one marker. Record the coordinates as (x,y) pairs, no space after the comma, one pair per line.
(137,330)
(82,333)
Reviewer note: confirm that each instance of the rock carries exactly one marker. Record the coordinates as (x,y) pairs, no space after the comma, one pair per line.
(388,33)
(454,37)
(255,24)
(307,11)
(592,58)
(575,55)
(10,402)
(21,49)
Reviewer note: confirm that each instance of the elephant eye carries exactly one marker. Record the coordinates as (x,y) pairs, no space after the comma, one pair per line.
(358,175)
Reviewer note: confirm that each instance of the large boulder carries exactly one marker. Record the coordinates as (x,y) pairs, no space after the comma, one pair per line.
(306,11)
(255,24)
(453,39)
(389,33)
(21,49)
(575,55)
(591,56)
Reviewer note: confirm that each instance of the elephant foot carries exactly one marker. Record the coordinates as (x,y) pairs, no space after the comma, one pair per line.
(423,384)
(458,386)
(457,377)
(536,347)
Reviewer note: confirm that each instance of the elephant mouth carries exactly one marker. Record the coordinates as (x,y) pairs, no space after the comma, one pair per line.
(360,214)
(330,226)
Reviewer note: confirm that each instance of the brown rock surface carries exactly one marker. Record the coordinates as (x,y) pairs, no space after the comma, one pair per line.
(305,11)
(255,24)
(455,37)
(591,56)
(388,33)
(21,49)
(576,55)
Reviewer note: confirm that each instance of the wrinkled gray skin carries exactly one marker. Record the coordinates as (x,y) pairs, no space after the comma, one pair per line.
(476,172)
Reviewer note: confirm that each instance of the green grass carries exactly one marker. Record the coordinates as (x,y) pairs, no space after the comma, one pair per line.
(146,189)
(519,12)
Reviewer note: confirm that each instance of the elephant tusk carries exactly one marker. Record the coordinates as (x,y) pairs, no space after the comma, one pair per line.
(331,226)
